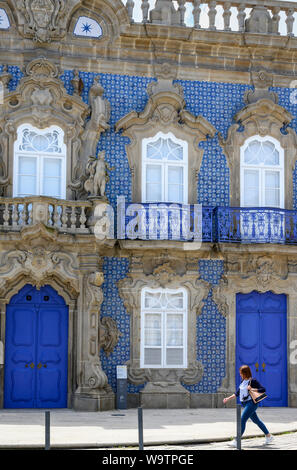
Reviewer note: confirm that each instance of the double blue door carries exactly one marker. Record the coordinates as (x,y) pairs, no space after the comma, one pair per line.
(261,342)
(36,350)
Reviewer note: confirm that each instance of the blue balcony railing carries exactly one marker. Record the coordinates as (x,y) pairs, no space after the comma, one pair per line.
(255,225)
(164,221)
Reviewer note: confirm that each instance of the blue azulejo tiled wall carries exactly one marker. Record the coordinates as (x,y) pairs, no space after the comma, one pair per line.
(112,306)
(211,334)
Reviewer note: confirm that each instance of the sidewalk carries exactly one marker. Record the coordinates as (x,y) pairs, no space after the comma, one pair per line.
(73,429)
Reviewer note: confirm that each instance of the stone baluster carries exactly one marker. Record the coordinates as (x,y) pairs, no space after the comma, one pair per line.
(196,13)
(275,19)
(82,218)
(6,215)
(73,218)
(227,16)
(182,11)
(145,9)
(64,217)
(130,8)
(241,18)
(56,216)
(15,214)
(290,21)
(212,13)
(24,215)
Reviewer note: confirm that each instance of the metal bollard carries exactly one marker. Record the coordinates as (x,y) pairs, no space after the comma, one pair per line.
(140,428)
(238,425)
(47,430)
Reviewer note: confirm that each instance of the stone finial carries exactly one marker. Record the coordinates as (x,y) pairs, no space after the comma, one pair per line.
(259,21)
(165,13)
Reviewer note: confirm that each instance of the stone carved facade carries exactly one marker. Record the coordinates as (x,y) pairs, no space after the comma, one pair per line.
(163,386)
(165,111)
(264,117)
(44,20)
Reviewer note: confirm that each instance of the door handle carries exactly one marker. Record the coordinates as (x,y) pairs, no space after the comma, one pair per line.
(263,367)
(257,366)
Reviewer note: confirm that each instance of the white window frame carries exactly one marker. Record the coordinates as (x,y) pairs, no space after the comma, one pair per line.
(40,157)
(164,313)
(164,164)
(262,169)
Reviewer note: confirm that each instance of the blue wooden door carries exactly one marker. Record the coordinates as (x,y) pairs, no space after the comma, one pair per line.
(36,350)
(261,342)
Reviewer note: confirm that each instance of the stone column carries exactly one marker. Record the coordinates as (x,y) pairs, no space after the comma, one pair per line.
(93,392)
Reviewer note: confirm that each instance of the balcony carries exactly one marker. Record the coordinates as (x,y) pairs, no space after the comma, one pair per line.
(65,216)
(179,222)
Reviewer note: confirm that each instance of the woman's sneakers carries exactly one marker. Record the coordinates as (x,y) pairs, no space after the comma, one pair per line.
(232,443)
(268,440)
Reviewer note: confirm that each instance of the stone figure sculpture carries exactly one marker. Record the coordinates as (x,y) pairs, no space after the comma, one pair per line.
(97,170)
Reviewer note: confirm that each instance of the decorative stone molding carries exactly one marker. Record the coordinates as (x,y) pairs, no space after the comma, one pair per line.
(41,100)
(44,20)
(163,274)
(261,81)
(109,335)
(165,13)
(164,112)
(260,272)
(263,117)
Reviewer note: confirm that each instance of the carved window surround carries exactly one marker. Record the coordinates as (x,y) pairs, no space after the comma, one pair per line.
(261,118)
(170,276)
(260,272)
(165,112)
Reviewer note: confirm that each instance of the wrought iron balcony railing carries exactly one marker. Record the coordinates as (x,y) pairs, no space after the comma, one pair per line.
(217,224)
(255,225)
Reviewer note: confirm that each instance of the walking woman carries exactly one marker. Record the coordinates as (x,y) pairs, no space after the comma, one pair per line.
(248,383)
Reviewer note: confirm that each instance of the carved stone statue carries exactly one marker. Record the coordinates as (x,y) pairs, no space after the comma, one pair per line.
(97,170)
(98,122)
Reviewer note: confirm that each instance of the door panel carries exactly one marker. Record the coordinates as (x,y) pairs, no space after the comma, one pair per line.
(261,340)
(36,350)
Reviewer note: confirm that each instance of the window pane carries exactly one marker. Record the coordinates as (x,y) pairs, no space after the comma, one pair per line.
(27,176)
(264,153)
(174,330)
(251,188)
(152,357)
(164,149)
(52,168)
(153,183)
(174,357)
(175,300)
(272,188)
(152,300)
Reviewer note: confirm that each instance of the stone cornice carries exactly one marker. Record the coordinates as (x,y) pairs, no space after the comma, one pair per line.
(199,54)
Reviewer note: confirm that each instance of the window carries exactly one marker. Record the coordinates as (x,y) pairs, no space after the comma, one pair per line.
(262,173)
(164,169)
(39,162)
(163,328)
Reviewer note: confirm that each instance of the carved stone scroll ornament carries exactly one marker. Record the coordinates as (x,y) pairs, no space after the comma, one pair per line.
(109,335)
(261,81)
(44,20)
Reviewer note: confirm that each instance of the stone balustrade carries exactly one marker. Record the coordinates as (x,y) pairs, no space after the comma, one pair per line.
(65,216)
(256,16)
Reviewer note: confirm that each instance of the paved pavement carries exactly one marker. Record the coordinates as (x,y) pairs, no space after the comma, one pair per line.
(72,429)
